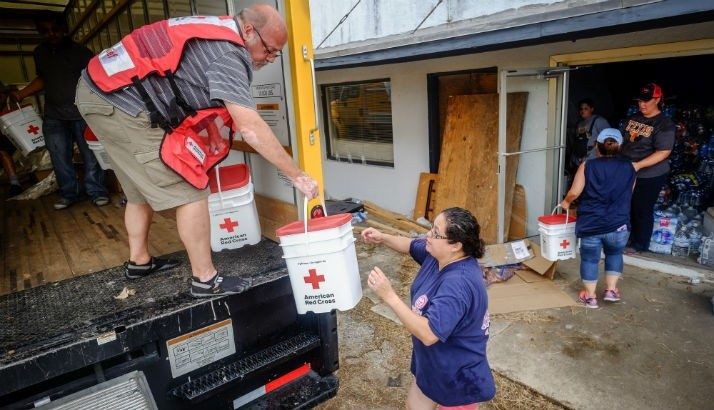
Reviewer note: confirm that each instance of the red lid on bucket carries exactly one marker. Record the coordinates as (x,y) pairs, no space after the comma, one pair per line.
(315,224)
(89,135)
(558,219)
(232,177)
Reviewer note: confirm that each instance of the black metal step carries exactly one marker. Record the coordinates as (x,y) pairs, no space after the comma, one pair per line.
(237,370)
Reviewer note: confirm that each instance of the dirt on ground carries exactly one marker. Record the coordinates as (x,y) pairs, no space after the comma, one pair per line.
(375,351)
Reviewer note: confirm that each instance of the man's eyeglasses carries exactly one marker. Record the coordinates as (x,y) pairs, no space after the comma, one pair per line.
(435,234)
(268,51)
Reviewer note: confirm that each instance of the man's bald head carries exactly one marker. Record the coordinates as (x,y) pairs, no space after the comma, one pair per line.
(264,31)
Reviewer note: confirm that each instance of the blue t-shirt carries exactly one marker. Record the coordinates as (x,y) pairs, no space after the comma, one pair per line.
(605,201)
(453,371)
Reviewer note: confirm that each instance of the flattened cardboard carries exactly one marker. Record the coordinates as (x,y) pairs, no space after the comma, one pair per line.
(506,254)
(528,289)
(539,264)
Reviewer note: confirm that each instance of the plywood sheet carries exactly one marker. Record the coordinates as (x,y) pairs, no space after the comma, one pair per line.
(468,165)
(519,217)
(426,194)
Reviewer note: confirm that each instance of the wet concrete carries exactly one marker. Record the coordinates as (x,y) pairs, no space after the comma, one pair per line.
(652,350)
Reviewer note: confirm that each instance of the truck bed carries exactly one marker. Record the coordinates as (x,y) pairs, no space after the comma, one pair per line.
(41,319)
(60,339)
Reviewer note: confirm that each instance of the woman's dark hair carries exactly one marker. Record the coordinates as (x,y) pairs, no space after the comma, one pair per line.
(461,226)
(608,148)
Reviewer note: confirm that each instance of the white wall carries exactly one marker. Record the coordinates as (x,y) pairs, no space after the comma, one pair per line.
(395,188)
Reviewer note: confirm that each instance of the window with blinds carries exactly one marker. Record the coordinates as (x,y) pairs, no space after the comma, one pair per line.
(358,122)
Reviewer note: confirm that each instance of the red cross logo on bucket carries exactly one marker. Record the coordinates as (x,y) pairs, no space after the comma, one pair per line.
(228,224)
(33,129)
(314,279)
(565,244)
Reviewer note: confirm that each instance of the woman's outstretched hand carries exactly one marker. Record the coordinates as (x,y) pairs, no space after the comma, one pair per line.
(380,284)
(371,235)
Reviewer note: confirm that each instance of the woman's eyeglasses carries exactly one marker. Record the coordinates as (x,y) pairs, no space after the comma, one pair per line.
(435,234)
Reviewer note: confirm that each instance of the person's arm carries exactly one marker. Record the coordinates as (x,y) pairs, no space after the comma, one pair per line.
(416,324)
(576,189)
(258,135)
(654,158)
(397,243)
(35,86)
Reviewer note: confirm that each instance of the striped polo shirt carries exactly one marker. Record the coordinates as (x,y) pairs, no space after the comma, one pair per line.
(210,72)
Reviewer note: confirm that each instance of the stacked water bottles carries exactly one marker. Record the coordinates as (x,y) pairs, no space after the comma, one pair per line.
(678,221)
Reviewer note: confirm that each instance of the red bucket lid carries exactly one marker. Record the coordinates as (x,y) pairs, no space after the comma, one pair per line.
(558,219)
(89,135)
(315,224)
(232,177)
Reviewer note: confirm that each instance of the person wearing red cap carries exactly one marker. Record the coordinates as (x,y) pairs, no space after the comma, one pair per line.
(649,139)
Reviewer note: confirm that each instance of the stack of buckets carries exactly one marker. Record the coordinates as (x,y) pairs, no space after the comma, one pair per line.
(322,263)
(98,149)
(233,216)
(557,236)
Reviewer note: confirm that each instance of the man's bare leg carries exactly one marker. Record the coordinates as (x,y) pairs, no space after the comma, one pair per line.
(137,218)
(193,227)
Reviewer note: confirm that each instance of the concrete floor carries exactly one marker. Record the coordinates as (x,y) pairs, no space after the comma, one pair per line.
(652,350)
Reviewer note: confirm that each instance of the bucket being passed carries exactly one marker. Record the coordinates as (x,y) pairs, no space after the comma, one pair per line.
(322,263)
(557,236)
(23,127)
(98,149)
(233,216)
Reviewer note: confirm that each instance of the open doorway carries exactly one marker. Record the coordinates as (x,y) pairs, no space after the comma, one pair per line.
(688,87)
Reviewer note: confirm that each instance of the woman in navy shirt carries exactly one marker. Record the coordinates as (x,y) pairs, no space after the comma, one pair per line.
(604,186)
(448,317)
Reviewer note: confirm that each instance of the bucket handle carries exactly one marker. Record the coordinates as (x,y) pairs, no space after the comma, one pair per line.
(304,214)
(19,107)
(567,214)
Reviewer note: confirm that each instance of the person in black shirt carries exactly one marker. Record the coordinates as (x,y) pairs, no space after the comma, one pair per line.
(649,138)
(59,62)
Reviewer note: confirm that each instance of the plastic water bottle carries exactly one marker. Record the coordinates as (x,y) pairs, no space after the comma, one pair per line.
(681,220)
(695,237)
(680,245)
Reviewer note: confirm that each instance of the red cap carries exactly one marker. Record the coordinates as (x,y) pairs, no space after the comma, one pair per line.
(558,219)
(232,177)
(649,91)
(315,224)
(89,135)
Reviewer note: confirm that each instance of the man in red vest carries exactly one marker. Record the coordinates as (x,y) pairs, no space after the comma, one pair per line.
(163,102)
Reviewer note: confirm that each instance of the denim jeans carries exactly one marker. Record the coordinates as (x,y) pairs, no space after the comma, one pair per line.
(60,137)
(612,243)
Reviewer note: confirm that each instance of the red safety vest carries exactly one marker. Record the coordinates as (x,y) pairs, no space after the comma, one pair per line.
(157,49)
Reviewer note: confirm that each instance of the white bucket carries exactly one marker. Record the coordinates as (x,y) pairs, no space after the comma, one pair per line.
(233,216)
(24,128)
(97,149)
(322,263)
(557,236)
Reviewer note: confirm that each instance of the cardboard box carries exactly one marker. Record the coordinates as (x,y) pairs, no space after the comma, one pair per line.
(522,251)
(528,289)
(506,253)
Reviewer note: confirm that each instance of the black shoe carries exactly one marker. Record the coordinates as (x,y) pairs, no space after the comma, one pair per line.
(15,190)
(219,285)
(134,271)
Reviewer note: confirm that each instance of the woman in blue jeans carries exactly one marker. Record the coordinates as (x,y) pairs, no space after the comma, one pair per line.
(604,185)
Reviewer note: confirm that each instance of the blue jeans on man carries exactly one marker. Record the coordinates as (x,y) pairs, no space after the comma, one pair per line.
(60,137)
(612,244)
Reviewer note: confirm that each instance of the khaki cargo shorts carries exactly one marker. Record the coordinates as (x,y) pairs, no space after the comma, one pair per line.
(133,148)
